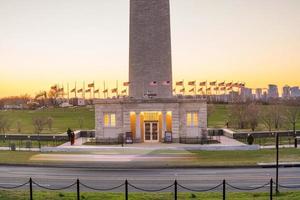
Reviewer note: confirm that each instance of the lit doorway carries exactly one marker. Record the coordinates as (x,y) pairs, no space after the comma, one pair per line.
(151,131)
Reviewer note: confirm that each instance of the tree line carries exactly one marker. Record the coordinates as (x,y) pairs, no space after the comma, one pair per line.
(243,115)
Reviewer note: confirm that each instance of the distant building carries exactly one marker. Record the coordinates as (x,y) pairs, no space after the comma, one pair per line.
(258,93)
(65,105)
(13,107)
(273,91)
(77,101)
(246,94)
(264,96)
(286,92)
(295,92)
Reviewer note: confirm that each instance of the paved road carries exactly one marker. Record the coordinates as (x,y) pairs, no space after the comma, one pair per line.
(146,178)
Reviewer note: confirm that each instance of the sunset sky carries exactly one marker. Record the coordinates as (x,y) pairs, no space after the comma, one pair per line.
(43,42)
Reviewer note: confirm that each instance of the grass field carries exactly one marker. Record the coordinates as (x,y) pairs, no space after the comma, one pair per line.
(62,119)
(219,118)
(71,117)
(41,195)
(191,158)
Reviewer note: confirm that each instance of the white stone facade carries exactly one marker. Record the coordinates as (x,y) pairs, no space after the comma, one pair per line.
(124,109)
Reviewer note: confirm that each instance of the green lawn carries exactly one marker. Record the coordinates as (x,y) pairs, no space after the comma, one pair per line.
(39,195)
(16,157)
(70,117)
(219,117)
(191,158)
(233,158)
(62,119)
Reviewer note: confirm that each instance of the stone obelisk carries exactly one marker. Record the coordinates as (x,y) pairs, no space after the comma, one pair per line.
(150,63)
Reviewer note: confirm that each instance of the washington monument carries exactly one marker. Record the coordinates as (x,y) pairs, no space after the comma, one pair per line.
(150,63)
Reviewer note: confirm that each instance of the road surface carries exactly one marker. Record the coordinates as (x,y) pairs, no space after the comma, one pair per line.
(146,178)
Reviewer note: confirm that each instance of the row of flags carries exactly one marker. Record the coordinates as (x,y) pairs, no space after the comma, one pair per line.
(90,89)
(205,87)
(213,83)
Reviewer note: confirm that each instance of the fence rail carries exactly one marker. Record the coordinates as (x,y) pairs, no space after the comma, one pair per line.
(126,185)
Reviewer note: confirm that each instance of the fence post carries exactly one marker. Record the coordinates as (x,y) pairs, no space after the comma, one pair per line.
(224,189)
(271,189)
(78,189)
(126,189)
(175,190)
(30,189)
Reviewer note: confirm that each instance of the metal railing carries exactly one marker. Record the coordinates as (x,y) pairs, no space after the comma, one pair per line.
(28,144)
(175,186)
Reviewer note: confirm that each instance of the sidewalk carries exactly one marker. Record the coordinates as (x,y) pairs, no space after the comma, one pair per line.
(225,144)
(19,149)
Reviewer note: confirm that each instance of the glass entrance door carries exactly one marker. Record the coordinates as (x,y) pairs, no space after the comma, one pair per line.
(151,131)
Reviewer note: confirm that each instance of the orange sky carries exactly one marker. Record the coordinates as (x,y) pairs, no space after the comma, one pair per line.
(47,42)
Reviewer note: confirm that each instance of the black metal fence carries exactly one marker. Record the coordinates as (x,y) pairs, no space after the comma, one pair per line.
(175,187)
(28,144)
(265,141)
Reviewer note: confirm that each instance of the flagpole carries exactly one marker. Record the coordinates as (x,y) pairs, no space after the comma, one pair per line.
(195,88)
(68,92)
(83,92)
(63,91)
(183,87)
(93,89)
(206,88)
(75,89)
(117,89)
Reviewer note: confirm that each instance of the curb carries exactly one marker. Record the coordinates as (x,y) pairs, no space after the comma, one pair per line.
(136,167)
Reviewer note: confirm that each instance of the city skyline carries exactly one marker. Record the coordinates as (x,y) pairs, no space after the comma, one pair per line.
(44,43)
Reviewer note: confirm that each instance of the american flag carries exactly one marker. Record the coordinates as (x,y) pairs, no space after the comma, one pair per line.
(192,83)
(166,82)
(213,83)
(192,90)
(203,83)
(179,83)
(126,84)
(115,90)
(153,83)
(91,85)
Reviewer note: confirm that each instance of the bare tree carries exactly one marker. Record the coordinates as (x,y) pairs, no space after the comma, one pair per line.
(5,124)
(277,112)
(272,116)
(80,121)
(39,124)
(253,111)
(238,115)
(292,114)
(19,126)
(267,118)
(50,123)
